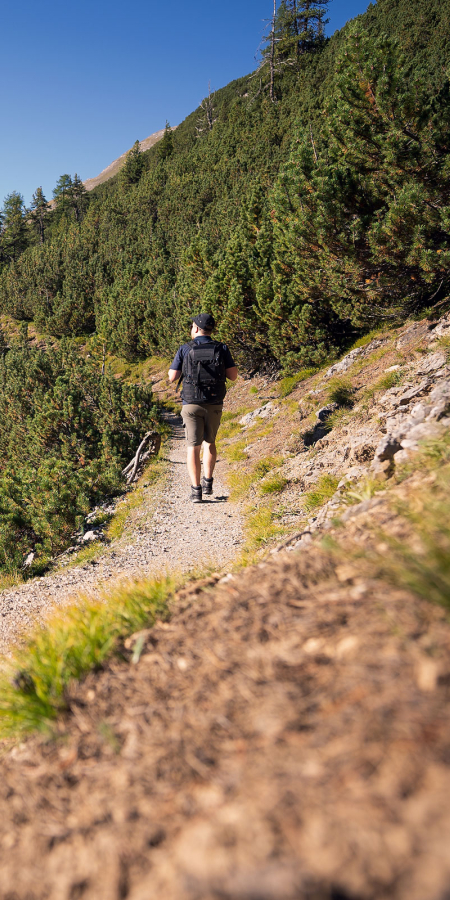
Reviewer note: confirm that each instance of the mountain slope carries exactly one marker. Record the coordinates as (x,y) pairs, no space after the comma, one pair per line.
(117,164)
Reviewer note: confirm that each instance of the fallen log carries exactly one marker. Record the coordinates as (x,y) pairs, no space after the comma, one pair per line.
(133,466)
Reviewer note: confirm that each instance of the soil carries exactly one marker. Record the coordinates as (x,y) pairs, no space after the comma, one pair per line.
(284,736)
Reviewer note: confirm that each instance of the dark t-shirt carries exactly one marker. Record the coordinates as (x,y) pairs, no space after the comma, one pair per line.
(201,339)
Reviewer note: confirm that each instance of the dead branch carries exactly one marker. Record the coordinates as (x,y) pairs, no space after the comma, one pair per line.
(133,466)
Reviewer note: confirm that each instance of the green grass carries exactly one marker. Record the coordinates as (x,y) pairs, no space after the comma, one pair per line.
(419,560)
(323,491)
(82,556)
(340,390)
(135,499)
(253,389)
(385,383)
(363,363)
(236,453)
(366,339)
(363,490)
(273,485)
(443,344)
(290,382)
(261,530)
(422,563)
(11,579)
(74,642)
(229,415)
(338,418)
(264,466)
(228,431)
(117,526)
(240,483)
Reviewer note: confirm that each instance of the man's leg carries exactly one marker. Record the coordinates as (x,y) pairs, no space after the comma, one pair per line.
(194,420)
(193,465)
(209,459)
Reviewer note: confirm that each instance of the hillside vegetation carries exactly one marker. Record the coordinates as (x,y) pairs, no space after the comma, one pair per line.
(303,214)
(279,731)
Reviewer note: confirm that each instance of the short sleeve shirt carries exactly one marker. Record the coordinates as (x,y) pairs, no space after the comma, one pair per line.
(182,351)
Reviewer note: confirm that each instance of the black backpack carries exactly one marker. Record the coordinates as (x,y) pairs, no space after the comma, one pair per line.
(203,373)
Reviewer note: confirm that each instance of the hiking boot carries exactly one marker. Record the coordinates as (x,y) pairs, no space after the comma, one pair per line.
(207,485)
(196,494)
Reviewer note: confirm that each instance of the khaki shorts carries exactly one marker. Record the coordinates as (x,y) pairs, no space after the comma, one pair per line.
(202,422)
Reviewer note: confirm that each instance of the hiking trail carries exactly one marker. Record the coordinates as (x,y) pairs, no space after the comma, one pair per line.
(171,535)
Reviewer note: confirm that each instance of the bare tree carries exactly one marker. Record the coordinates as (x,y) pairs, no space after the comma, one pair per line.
(272,54)
(207,119)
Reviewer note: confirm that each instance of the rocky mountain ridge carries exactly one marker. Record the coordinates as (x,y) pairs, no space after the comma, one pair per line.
(117,164)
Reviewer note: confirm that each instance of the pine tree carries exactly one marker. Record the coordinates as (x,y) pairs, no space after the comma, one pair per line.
(14,234)
(78,197)
(362,208)
(62,194)
(301,25)
(39,213)
(165,146)
(133,166)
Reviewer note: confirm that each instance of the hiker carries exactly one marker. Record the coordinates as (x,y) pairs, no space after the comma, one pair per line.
(203,365)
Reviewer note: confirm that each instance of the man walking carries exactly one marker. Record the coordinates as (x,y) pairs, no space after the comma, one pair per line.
(204,365)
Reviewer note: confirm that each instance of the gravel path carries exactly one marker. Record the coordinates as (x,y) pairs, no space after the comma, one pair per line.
(177,535)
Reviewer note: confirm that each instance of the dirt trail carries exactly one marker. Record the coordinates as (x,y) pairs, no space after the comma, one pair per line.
(175,536)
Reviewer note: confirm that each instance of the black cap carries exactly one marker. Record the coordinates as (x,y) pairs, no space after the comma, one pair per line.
(205,321)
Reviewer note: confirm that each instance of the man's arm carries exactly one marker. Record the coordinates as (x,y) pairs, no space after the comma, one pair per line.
(231,373)
(174,374)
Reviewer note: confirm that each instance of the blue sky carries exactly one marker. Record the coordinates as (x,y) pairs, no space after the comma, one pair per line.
(81,82)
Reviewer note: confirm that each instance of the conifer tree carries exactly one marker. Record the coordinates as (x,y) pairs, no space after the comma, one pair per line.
(62,194)
(301,26)
(362,208)
(133,166)
(39,212)
(14,233)
(165,146)
(78,197)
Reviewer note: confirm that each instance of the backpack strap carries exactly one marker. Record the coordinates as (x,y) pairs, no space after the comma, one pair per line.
(191,344)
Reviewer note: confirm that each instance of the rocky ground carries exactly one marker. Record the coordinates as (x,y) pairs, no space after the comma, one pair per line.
(285,736)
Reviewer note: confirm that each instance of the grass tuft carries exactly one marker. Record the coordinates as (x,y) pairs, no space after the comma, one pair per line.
(72,643)
(323,491)
(290,382)
(340,390)
(443,344)
(273,485)
(240,484)
(264,466)
(422,563)
(237,453)
(261,527)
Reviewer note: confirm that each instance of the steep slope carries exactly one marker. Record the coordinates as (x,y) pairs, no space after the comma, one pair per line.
(284,735)
(117,164)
